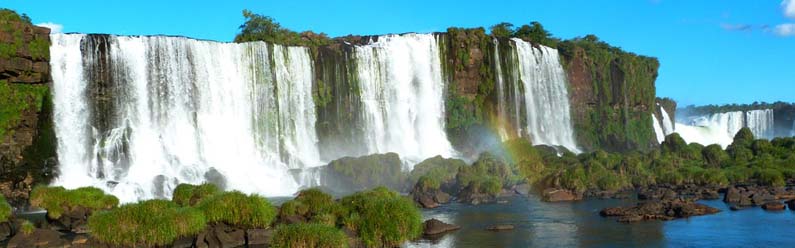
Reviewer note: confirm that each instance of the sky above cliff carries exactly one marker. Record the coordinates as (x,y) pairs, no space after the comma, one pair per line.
(711,52)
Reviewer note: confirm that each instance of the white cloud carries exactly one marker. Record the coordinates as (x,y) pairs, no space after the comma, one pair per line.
(789,8)
(55,28)
(787,29)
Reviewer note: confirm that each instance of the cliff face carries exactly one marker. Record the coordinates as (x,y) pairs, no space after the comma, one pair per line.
(27,139)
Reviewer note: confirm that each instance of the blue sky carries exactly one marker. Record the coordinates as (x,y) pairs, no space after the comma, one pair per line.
(729,51)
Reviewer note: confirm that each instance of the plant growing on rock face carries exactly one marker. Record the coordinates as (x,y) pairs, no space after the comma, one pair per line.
(190,195)
(238,209)
(308,235)
(58,200)
(27,227)
(148,223)
(382,217)
(314,204)
(5,209)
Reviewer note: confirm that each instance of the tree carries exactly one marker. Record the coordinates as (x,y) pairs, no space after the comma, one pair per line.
(264,28)
(535,32)
(502,30)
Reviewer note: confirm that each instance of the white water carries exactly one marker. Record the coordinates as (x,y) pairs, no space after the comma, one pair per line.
(658,131)
(545,95)
(720,128)
(760,122)
(402,91)
(668,125)
(183,111)
(501,103)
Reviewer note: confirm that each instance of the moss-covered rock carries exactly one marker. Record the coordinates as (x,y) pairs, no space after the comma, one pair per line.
(190,195)
(58,200)
(5,209)
(351,174)
(382,218)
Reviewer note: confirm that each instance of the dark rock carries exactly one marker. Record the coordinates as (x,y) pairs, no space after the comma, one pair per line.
(183,242)
(426,201)
(773,206)
(791,205)
(658,210)
(349,174)
(737,207)
(5,231)
(39,238)
(560,195)
(500,227)
(436,227)
(258,236)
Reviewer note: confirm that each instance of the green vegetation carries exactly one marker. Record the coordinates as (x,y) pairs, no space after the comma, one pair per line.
(190,195)
(712,109)
(533,32)
(13,23)
(308,235)
(434,171)
(5,209)
(238,209)
(746,160)
(489,174)
(27,227)
(148,223)
(15,99)
(263,28)
(382,217)
(57,200)
(621,82)
(315,205)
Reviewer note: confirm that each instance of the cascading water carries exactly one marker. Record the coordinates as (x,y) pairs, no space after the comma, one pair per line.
(135,116)
(658,131)
(545,95)
(760,122)
(667,123)
(720,128)
(402,92)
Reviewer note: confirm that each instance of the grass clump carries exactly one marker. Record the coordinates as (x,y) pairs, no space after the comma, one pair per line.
(315,205)
(382,217)
(148,223)
(58,200)
(27,227)
(306,235)
(190,195)
(238,209)
(5,209)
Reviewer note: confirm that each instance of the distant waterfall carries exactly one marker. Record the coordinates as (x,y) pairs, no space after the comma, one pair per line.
(760,122)
(138,115)
(545,95)
(662,127)
(720,128)
(402,92)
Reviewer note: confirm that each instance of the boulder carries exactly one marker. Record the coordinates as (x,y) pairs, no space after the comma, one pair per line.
(436,227)
(522,189)
(500,227)
(5,231)
(658,210)
(791,205)
(773,206)
(258,236)
(39,238)
(560,195)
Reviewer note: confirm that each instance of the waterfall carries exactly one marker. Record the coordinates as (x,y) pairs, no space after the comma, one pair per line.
(501,102)
(760,122)
(720,128)
(402,93)
(667,122)
(136,116)
(545,95)
(658,131)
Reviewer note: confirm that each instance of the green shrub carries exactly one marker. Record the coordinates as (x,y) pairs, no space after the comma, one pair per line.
(437,168)
(5,209)
(771,177)
(58,200)
(315,204)
(27,227)
(308,235)
(190,195)
(238,209)
(382,217)
(148,223)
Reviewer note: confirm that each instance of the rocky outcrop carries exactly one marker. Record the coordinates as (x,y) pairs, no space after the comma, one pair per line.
(560,195)
(747,196)
(27,139)
(658,210)
(434,227)
(347,175)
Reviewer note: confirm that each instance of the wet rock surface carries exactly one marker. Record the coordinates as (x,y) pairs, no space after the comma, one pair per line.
(658,210)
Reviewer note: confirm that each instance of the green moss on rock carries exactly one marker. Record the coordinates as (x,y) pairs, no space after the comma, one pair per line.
(190,195)
(5,209)
(308,235)
(238,209)
(58,200)
(149,223)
